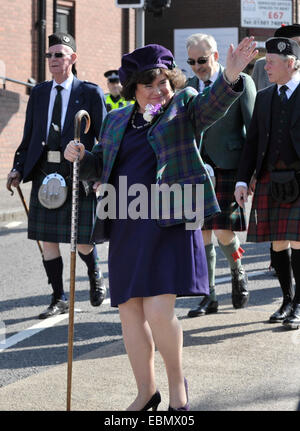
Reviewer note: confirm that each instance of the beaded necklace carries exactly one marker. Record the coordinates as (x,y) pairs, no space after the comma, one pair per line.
(146,124)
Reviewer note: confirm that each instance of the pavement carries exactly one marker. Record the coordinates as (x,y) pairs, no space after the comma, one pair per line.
(233,360)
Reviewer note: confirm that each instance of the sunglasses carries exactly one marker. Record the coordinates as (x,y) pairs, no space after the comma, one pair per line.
(55,54)
(201,60)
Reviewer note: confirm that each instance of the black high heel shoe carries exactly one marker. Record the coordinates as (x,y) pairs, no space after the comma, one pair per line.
(153,402)
(186,407)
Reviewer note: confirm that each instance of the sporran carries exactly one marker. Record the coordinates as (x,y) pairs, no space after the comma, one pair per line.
(53,191)
(284,186)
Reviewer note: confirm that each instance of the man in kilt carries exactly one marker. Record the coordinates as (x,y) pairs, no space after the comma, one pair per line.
(221,146)
(49,126)
(260,76)
(272,149)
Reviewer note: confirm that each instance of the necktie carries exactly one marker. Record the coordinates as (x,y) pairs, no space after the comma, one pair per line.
(207,83)
(55,125)
(282,95)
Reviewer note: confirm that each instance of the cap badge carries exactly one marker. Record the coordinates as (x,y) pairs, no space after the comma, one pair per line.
(281,46)
(66,39)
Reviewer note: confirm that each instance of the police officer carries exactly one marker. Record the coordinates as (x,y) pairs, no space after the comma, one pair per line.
(114,99)
(49,126)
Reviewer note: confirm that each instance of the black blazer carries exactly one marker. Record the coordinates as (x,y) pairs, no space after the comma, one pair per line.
(256,146)
(84,95)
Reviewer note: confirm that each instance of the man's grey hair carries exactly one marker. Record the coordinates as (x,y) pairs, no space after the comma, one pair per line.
(200,38)
(296,62)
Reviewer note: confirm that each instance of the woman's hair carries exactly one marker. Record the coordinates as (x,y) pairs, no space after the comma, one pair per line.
(175,76)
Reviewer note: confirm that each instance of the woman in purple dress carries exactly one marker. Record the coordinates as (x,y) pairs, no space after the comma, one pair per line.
(155,256)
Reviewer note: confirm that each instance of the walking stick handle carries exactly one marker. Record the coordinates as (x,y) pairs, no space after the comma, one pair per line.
(74,225)
(8,185)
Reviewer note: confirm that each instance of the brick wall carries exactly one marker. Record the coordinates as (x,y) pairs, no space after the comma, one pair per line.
(98,37)
(15,40)
(12,114)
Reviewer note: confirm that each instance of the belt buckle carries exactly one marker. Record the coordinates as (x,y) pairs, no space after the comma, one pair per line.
(54,156)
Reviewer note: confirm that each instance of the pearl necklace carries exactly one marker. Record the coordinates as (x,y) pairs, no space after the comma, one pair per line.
(147,124)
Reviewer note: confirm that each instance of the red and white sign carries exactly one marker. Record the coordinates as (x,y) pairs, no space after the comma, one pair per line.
(266,13)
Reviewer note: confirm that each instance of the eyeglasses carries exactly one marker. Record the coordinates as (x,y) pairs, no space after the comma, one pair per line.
(55,54)
(201,60)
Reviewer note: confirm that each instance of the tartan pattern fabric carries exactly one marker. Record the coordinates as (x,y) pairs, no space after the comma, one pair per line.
(232,216)
(270,220)
(172,138)
(55,225)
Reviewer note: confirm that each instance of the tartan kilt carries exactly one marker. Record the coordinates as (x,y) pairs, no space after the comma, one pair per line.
(270,220)
(54,225)
(232,216)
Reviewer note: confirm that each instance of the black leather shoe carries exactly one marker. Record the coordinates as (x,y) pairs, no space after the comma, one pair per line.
(97,289)
(57,306)
(206,306)
(282,313)
(240,294)
(153,402)
(293,320)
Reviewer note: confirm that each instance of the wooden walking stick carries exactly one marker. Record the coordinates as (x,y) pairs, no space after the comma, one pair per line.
(74,225)
(8,186)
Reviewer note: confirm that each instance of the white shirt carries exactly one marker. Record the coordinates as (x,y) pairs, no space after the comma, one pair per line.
(65,96)
(292,85)
(212,79)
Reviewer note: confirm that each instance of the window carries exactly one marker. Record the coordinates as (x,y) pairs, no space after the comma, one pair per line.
(65,20)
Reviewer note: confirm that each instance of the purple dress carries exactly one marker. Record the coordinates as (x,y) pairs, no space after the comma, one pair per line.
(146,259)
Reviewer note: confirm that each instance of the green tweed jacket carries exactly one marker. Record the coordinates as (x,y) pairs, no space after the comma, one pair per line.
(224,141)
(173,140)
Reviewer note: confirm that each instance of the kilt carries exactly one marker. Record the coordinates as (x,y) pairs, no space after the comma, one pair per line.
(54,225)
(232,215)
(270,220)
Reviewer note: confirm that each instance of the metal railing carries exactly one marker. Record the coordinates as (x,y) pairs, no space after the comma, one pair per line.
(4,79)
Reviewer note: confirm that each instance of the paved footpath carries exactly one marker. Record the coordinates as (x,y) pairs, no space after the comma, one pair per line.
(233,360)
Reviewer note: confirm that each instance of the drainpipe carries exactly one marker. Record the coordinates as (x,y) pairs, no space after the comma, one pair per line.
(125,31)
(41,39)
(55,22)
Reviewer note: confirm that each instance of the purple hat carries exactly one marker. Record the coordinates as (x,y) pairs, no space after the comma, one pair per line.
(148,57)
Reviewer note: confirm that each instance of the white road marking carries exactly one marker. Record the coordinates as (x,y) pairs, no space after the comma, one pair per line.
(29,332)
(35,329)
(13,224)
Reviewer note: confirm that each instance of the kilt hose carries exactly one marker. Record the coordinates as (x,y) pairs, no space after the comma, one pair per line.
(232,215)
(270,220)
(54,225)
